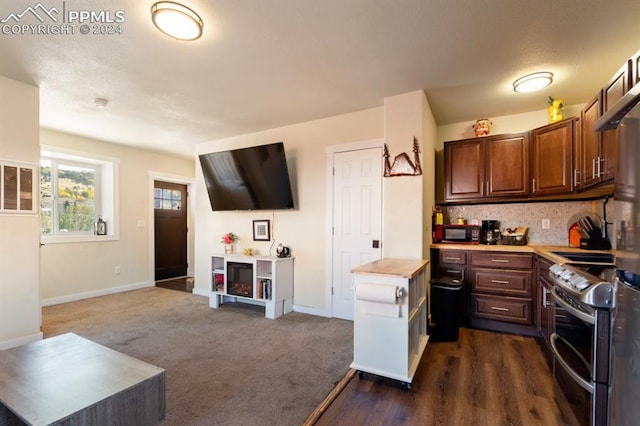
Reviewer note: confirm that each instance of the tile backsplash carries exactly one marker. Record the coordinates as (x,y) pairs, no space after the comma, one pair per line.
(531,216)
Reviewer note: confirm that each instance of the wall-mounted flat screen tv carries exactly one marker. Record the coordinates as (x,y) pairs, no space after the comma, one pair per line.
(254,178)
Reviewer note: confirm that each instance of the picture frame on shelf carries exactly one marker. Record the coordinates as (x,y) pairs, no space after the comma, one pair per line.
(261,230)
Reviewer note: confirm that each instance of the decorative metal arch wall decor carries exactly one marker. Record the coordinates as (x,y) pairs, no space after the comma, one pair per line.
(402,164)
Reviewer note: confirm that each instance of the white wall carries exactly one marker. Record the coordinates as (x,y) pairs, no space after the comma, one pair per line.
(72,271)
(303,229)
(20,316)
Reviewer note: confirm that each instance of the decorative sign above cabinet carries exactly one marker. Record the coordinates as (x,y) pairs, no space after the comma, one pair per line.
(402,164)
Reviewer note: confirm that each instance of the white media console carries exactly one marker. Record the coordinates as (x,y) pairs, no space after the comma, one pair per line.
(263,280)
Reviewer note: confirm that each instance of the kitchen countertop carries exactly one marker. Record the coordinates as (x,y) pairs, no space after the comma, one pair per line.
(404,268)
(539,249)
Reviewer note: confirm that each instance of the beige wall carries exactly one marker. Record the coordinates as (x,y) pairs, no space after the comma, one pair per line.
(71,271)
(303,229)
(403,195)
(20,317)
(513,123)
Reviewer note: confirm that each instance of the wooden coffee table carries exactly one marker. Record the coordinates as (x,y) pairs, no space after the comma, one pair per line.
(69,379)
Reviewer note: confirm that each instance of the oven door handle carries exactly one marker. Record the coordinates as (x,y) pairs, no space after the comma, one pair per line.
(590,319)
(565,366)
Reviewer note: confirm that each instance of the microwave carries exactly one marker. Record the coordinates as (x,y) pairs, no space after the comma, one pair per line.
(464,234)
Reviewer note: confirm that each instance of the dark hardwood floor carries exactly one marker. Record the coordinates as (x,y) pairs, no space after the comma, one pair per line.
(484,378)
(179,284)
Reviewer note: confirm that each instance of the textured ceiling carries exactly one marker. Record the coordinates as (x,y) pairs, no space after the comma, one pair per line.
(264,64)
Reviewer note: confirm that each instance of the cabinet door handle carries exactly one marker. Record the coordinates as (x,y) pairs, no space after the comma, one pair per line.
(500,260)
(598,167)
(534,185)
(497,308)
(499,282)
(453,271)
(602,170)
(451,258)
(593,168)
(544,297)
(576,172)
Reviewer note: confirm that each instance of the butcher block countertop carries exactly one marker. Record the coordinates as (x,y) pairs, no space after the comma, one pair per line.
(405,268)
(539,249)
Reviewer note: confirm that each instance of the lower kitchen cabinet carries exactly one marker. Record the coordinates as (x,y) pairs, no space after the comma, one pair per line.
(502,293)
(545,312)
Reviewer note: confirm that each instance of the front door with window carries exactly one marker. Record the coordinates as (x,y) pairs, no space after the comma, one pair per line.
(170,218)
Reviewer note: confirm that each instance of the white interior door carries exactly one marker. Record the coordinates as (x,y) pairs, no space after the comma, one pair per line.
(357,221)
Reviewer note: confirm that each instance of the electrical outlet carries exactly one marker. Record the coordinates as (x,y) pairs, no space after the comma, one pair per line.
(116,270)
(546,224)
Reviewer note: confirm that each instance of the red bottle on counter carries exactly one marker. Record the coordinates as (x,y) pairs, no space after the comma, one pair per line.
(437,220)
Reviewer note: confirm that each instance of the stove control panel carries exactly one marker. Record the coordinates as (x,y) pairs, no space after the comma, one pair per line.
(583,286)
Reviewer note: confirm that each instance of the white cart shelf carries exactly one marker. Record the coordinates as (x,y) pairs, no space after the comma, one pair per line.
(390,336)
(271,283)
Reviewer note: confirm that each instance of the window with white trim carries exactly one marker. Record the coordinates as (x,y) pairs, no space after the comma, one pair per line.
(75,191)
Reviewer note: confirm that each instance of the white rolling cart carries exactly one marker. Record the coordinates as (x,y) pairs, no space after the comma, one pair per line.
(390,318)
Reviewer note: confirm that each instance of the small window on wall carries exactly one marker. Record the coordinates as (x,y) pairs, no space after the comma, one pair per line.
(75,191)
(17,187)
(167,199)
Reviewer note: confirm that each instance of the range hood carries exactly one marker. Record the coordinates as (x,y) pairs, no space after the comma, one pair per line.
(612,118)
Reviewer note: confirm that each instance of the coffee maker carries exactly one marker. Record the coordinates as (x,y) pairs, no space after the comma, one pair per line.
(490,232)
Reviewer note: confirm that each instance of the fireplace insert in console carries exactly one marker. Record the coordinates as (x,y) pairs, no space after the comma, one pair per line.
(240,279)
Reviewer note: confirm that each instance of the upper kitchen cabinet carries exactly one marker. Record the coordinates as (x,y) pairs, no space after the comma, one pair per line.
(597,160)
(628,151)
(635,69)
(492,167)
(552,159)
(617,86)
(464,169)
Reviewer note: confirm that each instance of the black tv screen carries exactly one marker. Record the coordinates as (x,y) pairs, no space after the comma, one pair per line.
(254,178)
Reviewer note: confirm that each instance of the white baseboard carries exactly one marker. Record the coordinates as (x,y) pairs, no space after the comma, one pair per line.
(23,340)
(311,311)
(90,294)
(200,292)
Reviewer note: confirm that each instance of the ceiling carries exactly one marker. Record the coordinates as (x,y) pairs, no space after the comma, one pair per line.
(265,64)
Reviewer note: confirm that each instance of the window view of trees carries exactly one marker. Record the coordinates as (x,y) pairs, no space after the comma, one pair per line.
(73,206)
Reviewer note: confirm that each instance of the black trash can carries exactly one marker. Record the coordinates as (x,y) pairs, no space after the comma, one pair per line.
(447,300)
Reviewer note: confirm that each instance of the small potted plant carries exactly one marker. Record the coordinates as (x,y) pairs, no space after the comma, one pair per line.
(228,240)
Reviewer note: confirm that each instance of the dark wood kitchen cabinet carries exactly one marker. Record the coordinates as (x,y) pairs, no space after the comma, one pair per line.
(635,69)
(502,292)
(617,86)
(478,169)
(628,151)
(545,311)
(452,263)
(552,158)
(597,150)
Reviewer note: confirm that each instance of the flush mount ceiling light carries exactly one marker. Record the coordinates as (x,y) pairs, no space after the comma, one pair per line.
(533,82)
(176,21)
(100,102)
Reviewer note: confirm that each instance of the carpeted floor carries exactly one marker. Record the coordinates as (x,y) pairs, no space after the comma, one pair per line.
(226,366)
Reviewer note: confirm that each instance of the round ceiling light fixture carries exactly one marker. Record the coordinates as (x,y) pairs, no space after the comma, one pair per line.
(100,102)
(176,20)
(532,82)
